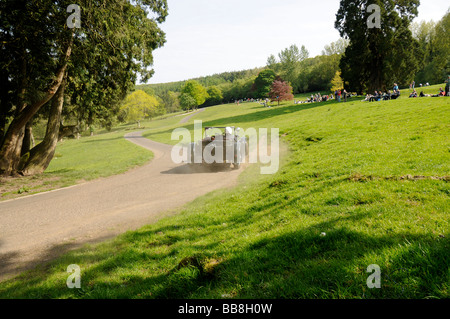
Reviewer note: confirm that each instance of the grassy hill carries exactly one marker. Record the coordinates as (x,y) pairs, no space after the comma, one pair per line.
(361,184)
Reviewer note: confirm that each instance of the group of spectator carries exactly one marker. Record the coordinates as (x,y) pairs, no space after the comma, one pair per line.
(338,96)
(441,93)
(377,96)
(388,95)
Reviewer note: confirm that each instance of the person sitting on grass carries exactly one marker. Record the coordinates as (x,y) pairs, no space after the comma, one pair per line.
(441,92)
(413,94)
(376,97)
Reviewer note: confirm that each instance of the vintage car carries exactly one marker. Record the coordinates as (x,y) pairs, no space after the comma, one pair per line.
(221,146)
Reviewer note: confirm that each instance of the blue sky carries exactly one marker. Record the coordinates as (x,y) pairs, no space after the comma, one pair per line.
(205,37)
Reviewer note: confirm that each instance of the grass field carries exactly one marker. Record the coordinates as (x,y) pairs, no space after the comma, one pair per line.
(77,161)
(362,184)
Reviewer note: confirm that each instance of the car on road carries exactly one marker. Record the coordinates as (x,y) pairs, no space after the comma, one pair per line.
(221,146)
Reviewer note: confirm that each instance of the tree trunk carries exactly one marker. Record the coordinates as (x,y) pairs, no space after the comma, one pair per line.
(37,160)
(9,157)
(12,141)
(28,139)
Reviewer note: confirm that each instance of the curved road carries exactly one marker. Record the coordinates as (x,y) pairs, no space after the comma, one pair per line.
(37,228)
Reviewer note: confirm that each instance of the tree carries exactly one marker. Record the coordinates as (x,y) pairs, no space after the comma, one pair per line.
(378,56)
(196,91)
(290,59)
(187,102)
(272,62)
(138,106)
(263,83)
(434,39)
(281,91)
(441,58)
(336,48)
(214,95)
(337,82)
(170,101)
(94,65)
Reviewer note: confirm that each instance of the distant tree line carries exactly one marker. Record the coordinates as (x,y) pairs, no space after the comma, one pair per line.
(293,66)
(363,60)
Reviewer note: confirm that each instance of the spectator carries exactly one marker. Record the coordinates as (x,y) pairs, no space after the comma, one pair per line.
(447,87)
(413,94)
(375,97)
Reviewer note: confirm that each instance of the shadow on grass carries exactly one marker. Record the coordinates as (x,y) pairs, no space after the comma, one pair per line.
(298,264)
(251,117)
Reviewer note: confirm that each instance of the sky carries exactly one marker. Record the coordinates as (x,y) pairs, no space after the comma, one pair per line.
(205,37)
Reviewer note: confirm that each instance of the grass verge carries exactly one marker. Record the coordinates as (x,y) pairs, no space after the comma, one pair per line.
(78,161)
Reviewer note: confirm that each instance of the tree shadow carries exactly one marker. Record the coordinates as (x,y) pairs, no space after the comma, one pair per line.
(252,117)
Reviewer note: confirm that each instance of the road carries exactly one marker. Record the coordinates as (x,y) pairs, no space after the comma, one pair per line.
(38,228)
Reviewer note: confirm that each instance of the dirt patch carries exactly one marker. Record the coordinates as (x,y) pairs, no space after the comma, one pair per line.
(356,177)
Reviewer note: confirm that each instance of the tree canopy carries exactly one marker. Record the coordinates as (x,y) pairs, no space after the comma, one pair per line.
(280,91)
(95,65)
(378,56)
(196,91)
(138,106)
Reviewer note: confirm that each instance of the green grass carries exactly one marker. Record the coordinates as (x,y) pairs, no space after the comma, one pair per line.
(372,176)
(77,161)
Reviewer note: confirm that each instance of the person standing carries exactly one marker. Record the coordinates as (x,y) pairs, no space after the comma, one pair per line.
(447,87)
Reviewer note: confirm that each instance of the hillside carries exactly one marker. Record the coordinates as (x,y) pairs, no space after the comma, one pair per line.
(360,184)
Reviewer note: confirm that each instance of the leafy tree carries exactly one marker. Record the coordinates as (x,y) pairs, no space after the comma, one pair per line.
(263,83)
(337,82)
(377,57)
(336,48)
(196,91)
(280,91)
(434,39)
(93,66)
(441,58)
(170,101)
(138,106)
(187,102)
(272,63)
(214,95)
(316,73)
(290,59)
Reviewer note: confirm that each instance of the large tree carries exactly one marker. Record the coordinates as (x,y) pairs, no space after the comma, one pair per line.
(43,59)
(263,83)
(378,55)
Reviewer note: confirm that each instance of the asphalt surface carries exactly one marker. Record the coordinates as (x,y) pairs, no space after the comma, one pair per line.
(38,228)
